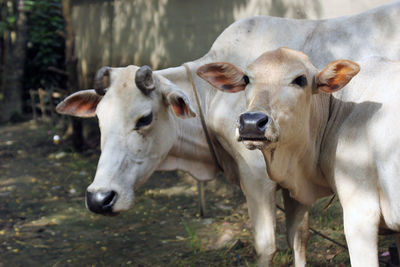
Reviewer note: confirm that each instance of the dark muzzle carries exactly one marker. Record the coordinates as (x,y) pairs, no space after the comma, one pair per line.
(101,202)
(252,126)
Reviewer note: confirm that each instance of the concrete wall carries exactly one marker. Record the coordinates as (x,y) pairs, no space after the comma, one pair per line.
(164,33)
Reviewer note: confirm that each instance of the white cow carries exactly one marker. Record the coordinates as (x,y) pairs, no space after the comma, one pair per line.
(130,153)
(317,140)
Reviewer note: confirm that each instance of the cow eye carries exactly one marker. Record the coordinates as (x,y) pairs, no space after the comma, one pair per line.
(246,79)
(300,81)
(143,121)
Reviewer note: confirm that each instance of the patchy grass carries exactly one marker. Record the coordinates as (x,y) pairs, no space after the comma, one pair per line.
(44,221)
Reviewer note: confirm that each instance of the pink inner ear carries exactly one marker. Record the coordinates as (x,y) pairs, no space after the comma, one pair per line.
(336,75)
(223,76)
(179,107)
(80,105)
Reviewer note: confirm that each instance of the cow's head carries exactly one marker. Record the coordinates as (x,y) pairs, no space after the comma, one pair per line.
(137,130)
(279,87)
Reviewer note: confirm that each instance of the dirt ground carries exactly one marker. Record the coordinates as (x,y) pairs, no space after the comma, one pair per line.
(44,221)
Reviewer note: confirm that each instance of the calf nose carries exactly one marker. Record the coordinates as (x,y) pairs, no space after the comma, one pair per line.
(101,202)
(252,125)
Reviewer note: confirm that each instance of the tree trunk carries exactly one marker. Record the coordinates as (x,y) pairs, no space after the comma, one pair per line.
(14,68)
(71,69)
(70,58)
(2,7)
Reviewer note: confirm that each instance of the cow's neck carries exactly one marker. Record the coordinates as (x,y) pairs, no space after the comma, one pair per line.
(339,110)
(296,165)
(190,151)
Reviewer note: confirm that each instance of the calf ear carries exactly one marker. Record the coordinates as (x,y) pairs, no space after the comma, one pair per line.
(335,76)
(224,76)
(80,104)
(179,102)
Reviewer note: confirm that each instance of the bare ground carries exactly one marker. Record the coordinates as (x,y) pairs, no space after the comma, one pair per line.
(44,222)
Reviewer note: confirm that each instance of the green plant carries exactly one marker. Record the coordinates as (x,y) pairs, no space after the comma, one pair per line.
(192,237)
(283,258)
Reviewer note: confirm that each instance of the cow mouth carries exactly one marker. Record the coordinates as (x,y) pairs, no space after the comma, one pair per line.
(256,142)
(245,138)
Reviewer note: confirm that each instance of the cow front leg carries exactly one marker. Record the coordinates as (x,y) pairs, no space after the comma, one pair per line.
(260,196)
(297,227)
(361,215)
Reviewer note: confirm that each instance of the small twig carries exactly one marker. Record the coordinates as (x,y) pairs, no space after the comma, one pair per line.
(330,202)
(61,33)
(57,70)
(173,240)
(327,237)
(32,245)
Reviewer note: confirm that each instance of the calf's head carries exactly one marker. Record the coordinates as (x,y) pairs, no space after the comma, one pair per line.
(279,87)
(137,130)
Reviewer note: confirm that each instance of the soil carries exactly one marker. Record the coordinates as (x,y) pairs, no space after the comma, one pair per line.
(44,221)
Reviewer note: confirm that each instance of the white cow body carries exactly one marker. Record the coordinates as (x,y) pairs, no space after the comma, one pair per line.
(186,147)
(374,32)
(366,167)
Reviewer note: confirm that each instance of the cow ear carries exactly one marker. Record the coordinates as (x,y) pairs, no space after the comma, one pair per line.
(80,104)
(224,76)
(335,76)
(179,102)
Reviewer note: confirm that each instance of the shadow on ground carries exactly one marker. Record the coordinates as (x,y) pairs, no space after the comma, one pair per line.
(44,221)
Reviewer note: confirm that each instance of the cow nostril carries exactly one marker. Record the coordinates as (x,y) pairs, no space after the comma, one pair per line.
(262,123)
(108,199)
(241,122)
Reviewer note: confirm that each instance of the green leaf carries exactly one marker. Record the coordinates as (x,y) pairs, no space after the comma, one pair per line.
(11,20)
(3,27)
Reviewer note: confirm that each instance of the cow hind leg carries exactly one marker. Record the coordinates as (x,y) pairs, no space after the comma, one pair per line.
(296,227)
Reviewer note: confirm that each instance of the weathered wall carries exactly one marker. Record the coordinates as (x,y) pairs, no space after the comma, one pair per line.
(163,33)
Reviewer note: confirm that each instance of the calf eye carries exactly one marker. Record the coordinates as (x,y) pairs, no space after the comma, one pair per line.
(300,81)
(246,79)
(143,121)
